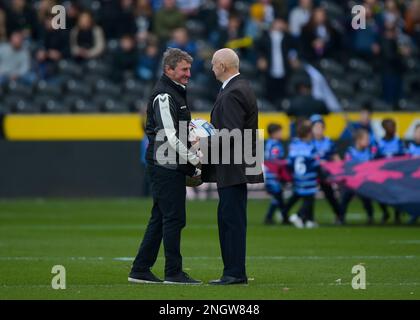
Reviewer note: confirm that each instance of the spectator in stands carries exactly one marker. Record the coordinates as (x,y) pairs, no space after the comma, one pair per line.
(189,8)
(44,11)
(168,18)
(269,13)
(87,39)
(149,61)
(15,60)
(274,48)
(144,14)
(21,16)
(73,11)
(3,30)
(254,25)
(181,40)
(54,46)
(392,67)
(299,17)
(234,31)
(303,105)
(412,21)
(117,18)
(319,39)
(366,41)
(125,58)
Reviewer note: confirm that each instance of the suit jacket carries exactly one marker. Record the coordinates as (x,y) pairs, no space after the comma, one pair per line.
(235,108)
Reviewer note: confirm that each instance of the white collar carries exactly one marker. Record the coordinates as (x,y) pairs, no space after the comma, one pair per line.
(184,87)
(227,81)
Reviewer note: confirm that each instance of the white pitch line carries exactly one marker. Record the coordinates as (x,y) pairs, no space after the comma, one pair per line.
(404,242)
(215,258)
(290,286)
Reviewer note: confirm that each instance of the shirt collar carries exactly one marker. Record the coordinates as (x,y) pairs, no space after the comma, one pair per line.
(225,83)
(179,84)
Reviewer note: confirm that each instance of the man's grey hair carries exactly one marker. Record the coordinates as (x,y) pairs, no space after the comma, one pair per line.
(173,56)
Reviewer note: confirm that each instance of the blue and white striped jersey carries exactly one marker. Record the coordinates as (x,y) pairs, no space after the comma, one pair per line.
(304,164)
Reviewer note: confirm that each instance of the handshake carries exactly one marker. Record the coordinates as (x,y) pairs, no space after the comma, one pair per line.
(198,128)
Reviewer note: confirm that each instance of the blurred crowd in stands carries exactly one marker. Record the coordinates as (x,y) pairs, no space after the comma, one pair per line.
(295,52)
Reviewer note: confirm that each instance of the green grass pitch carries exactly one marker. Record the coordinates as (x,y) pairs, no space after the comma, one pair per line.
(95,240)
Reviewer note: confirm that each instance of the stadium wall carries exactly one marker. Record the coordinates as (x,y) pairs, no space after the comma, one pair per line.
(70,169)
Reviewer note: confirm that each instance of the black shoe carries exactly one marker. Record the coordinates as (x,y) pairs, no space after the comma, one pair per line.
(181,278)
(286,222)
(143,277)
(227,280)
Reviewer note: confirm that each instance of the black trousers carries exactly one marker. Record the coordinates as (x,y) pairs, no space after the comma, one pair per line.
(329,195)
(346,197)
(166,221)
(306,211)
(232,221)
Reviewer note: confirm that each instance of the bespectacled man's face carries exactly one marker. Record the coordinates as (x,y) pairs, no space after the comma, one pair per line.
(181,73)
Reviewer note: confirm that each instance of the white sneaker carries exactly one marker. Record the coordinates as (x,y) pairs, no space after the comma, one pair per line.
(311,224)
(297,222)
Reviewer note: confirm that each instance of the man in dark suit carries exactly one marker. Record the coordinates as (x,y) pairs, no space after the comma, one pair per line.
(235,110)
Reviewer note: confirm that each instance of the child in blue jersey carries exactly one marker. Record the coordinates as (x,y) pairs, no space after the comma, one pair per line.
(273,152)
(414,147)
(326,151)
(360,152)
(390,146)
(304,166)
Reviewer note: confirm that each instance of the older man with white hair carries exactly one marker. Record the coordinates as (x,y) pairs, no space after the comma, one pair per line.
(235,109)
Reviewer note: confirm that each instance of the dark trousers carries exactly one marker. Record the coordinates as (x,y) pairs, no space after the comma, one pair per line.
(331,199)
(306,211)
(385,212)
(276,202)
(346,197)
(232,221)
(166,221)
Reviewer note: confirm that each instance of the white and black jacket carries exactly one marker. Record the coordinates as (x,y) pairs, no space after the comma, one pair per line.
(168,115)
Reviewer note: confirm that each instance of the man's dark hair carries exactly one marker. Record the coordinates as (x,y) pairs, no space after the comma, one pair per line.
(173,56)
(273,127)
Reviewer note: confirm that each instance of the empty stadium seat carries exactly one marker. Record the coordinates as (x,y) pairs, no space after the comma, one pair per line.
(18,89)
(342,88)
(74,87)
(106,87)
(45,88)
(18,104)
(360,66)
(81,105)
(70,68)
(331,67)
(265,105)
